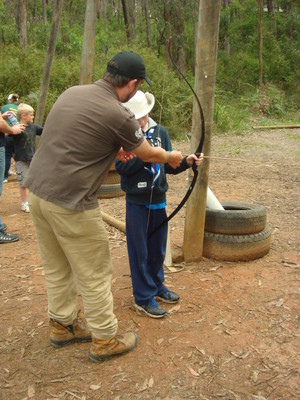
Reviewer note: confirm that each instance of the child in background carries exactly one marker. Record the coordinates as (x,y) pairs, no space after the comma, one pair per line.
(145,185)
(24,146)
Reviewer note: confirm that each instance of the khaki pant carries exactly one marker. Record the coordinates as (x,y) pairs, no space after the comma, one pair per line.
(75,252)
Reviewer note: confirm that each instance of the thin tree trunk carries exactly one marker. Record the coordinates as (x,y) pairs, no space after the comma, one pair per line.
(126,15)
(271,12)
(22,23)
(226,4)
(205,74)
(57,10)
(147,20)
(261,6)
(44,5)
(88,47)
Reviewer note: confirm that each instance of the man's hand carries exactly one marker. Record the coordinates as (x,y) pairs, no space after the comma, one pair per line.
(17,129)
(7,114)
(174,158)
(124,156)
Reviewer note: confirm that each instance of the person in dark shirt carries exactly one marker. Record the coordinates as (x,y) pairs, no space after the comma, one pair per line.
(145,185)
(12,105)
(5,129)
(24,148)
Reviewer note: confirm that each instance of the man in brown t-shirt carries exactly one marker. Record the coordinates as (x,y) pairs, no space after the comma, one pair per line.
(86,129)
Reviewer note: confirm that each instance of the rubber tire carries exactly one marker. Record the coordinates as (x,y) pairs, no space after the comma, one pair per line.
(109,191)
(237,219)
(237,247)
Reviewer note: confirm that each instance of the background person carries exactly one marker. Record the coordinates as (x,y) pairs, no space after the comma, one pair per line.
(12,105)
(24,149)
(86,129)
(146,185)
(5,129)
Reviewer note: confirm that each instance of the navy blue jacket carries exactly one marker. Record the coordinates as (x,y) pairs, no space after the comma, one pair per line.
(136,181)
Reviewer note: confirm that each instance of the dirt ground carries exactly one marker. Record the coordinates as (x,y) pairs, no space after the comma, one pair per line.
(235,333)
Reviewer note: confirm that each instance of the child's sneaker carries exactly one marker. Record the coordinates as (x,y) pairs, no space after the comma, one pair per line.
(168,297)
(152,309)
(25,207)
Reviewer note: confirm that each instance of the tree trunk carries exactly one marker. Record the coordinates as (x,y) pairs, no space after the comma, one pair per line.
(205,74)
(270,6)
(147,20)
(22,23)
(292,20)
(88,47)
(226,4)
(131,16)
(260,6)
(174,17)
(44,5)
(57,10)
(128,14)
(271,12)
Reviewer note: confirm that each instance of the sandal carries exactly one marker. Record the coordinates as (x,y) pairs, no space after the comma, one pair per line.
(8,237)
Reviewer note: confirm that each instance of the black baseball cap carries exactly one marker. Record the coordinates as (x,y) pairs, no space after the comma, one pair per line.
(129,64)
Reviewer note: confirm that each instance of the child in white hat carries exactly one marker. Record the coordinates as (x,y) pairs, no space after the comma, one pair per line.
(145,185)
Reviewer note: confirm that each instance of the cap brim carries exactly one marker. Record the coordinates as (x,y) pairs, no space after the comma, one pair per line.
(148,81)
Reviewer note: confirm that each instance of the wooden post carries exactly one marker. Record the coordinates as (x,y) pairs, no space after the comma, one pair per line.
(205,74)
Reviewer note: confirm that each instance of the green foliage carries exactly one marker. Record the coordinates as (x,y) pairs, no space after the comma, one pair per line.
(237,99)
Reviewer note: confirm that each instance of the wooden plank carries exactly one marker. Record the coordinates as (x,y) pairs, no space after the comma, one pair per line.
(277,127)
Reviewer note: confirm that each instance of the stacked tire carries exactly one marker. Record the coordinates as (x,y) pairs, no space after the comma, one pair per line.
(238,233)
(111,186)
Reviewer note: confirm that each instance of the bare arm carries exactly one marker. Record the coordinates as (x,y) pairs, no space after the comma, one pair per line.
(158,155)
(10,130)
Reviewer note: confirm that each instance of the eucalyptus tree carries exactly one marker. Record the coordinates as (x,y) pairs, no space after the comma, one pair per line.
(56,17)
(88,46)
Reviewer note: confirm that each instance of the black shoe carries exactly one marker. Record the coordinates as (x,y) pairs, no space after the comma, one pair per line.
(168,297)
(151,309)
(3,228)
(8,237)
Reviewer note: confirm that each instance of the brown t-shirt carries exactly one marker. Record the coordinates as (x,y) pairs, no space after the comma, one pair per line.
(83,132)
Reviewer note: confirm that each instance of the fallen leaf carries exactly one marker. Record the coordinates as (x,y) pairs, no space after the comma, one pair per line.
(30,391)
(151,382)
(174,309)
(277,303)
(193,372)
(95,387)
(26,298)
(242,356)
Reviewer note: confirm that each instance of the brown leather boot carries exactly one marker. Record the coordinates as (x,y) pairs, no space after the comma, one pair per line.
(103,349)
(61,335)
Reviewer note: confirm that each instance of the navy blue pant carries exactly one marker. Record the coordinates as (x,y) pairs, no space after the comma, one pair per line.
(146,256)
(9,152)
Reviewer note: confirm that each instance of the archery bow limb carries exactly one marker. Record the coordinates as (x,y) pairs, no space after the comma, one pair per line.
(197,152)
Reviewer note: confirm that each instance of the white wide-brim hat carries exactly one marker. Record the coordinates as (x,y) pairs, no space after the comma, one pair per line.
(140,104)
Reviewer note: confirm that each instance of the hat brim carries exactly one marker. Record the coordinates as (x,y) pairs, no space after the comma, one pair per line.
(148,81)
